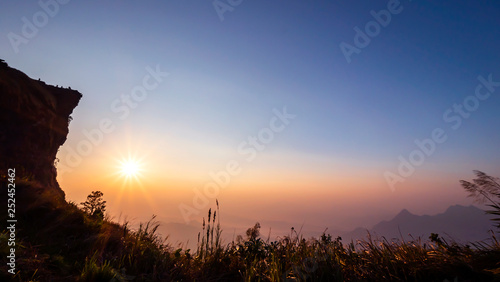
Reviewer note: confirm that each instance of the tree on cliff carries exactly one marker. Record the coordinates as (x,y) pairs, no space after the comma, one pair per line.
(95,205)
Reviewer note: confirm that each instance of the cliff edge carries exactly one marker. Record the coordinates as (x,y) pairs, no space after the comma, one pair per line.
(34,119)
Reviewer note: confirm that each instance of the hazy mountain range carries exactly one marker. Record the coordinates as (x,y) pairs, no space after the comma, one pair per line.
(458,223)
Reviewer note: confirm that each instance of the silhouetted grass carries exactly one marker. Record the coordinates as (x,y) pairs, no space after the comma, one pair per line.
(59,242)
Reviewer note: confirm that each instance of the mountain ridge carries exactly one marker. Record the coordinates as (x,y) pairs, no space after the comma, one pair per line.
(457,223)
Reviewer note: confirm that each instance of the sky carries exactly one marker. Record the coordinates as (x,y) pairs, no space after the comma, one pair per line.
(328,114)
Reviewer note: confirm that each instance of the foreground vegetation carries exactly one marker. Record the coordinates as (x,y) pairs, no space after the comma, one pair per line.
(58,241)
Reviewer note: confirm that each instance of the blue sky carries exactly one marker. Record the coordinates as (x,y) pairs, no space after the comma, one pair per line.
(225,78)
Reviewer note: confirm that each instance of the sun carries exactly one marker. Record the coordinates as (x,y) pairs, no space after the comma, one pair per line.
(130,168)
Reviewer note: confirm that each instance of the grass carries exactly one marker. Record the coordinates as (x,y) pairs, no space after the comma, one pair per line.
(59,242)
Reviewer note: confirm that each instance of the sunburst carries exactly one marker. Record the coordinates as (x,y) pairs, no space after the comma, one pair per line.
(130,168)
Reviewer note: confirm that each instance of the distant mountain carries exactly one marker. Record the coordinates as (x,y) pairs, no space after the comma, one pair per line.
(458,223)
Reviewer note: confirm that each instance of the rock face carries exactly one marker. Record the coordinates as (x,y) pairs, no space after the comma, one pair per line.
(34,120)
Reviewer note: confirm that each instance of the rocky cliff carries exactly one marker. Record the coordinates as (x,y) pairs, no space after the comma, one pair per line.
(34,118)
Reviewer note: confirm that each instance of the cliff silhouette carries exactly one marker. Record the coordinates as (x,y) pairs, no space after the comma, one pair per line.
(34,118)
